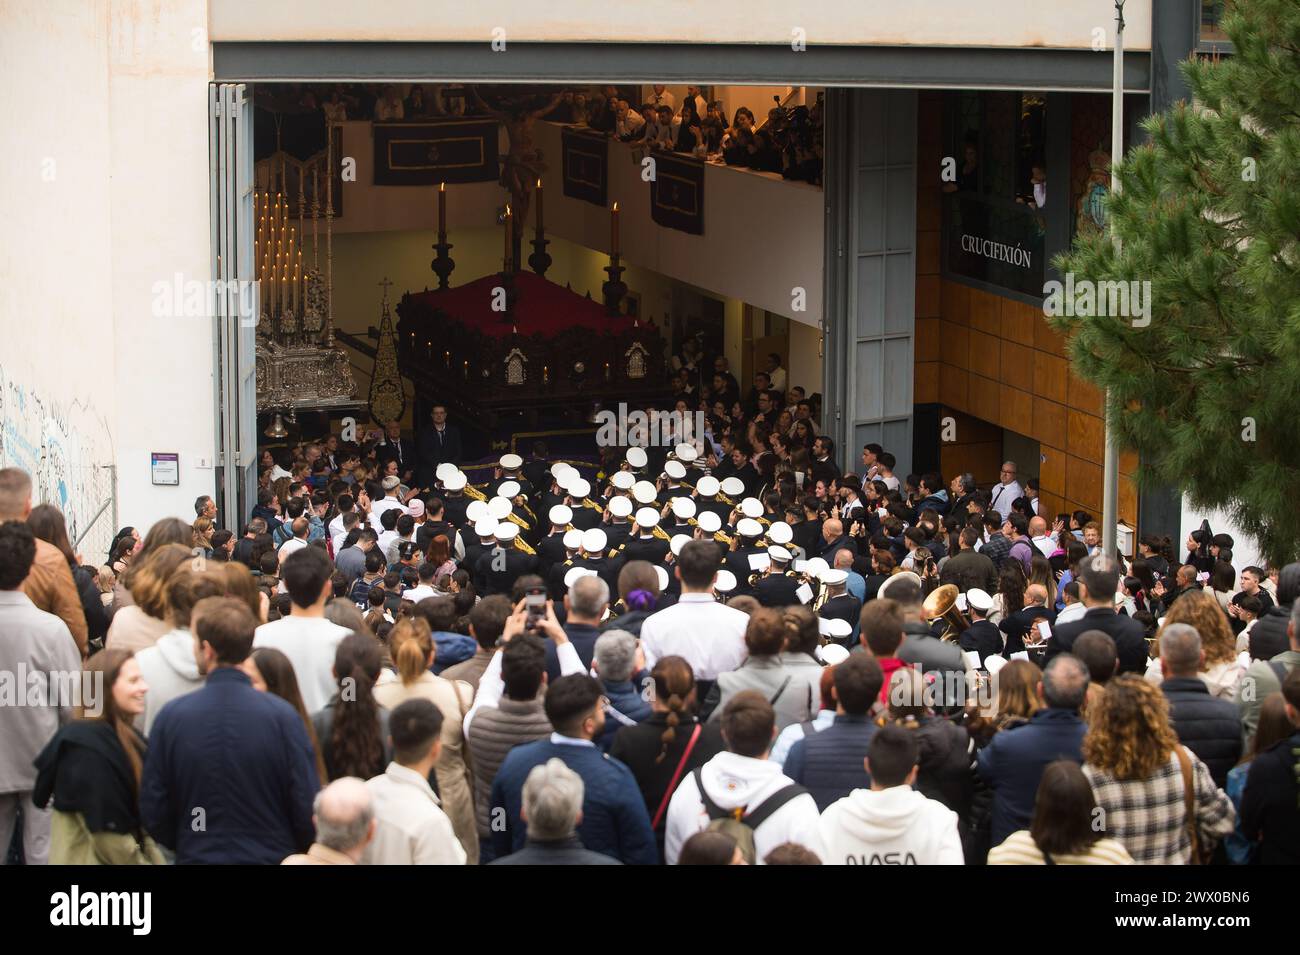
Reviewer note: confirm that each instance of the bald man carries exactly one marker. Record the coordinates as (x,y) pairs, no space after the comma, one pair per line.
(835,539)
(857,584)
(1038,534)
(344,816)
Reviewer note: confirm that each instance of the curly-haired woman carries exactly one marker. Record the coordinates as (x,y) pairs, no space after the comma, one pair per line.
(1141,776)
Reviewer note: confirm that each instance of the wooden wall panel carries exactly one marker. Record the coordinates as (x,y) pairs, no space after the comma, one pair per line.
(985,353)
(1086,436)
(1017,409)
(927,340)
(1049,424)
(954,386)
(926,383)
(1050,377)
(1083,482)
(983,399)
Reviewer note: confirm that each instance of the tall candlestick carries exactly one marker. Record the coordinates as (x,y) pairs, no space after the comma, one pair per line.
(442,210)
(613,231)
(509,239)
(539,207)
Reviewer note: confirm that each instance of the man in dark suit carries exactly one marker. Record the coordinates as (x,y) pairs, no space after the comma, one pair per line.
(834,539)
(1098,581)
(982,635)
(437,443)
(394,448)
(778,586)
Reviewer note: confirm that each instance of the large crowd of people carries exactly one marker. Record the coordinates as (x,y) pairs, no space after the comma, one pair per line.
(740,648)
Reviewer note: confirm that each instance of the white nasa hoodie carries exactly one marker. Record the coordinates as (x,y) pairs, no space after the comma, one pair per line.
(894,826)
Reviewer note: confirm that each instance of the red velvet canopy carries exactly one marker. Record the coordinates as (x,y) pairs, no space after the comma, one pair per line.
(542,307)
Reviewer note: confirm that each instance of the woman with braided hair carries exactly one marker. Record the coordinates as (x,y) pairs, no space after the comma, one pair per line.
(353,727)
(670,744)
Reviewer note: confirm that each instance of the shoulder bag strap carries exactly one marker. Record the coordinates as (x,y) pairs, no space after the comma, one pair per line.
(768,807)
(677,774)
(1189,793)
(780,690)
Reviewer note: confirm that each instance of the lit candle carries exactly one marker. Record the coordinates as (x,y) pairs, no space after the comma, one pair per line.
(539,206)
(295,291)
(442,211)
(509,239)
(613,231)
(446,358)
(546,374)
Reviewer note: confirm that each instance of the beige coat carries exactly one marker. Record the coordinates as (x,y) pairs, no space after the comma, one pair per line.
(133,629)
(455,782)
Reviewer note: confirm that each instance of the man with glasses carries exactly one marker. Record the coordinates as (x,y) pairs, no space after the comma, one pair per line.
(1007,489)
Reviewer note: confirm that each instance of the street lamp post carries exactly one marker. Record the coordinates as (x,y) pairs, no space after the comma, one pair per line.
(1110,473)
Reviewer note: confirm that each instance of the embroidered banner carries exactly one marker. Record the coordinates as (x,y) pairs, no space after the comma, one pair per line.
(425,154)
(677,193)
(586,166)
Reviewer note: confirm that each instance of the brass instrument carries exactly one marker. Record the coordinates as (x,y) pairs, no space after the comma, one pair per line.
(586,502)
(520,545)
(942,604)
(722,538)
(660,533)
(475,493)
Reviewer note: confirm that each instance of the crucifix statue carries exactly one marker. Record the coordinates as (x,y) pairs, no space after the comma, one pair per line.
(518,108)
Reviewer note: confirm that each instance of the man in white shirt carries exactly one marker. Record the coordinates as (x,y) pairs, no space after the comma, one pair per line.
(627,121)
(305,636)
(709,635)
(774,370)
(301,528)
(1007,490)
(412,828)
(389,501)
(1038,534)
(425,587)
(744,778)
(337,532)
(661,97)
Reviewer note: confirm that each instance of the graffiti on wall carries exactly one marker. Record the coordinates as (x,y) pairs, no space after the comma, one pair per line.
(67,448)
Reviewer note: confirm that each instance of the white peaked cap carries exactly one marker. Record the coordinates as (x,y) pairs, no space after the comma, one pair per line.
(709,522)
(979,599)
(732,486)
(686,452)
(683,507)
(511,462)
(833,577)
(507,531)
(893,579)
(476,511)
(559,467)
(445,470)
(455,482)
(644,492)
(817,566)
(486,527)
(662,573)
(751,507)
(780,533)
(777,552)
(834,626)
(579,486)
(574,574)
(508,489)
(725,581)
(623,480)
(594,540)
(748,527)
(833,654)
(573,539)
(647,517)
(500,507)
(675,470)
(678,542)
(708,486)
(620,506)
(560,514)
(637,457)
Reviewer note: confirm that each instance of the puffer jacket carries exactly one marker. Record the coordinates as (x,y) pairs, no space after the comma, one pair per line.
(1209,727)
(946,763)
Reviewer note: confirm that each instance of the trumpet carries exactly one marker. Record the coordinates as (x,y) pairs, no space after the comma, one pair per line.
(942,605)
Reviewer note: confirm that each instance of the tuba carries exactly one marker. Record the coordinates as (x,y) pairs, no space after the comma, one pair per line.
(942,605)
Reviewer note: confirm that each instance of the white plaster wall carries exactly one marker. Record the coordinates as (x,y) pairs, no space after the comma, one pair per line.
(992,23)
(109,95)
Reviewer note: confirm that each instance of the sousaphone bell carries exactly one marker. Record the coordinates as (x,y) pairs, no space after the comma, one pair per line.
(941,604)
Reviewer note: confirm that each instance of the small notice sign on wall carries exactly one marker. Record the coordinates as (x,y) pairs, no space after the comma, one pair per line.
(165,467)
